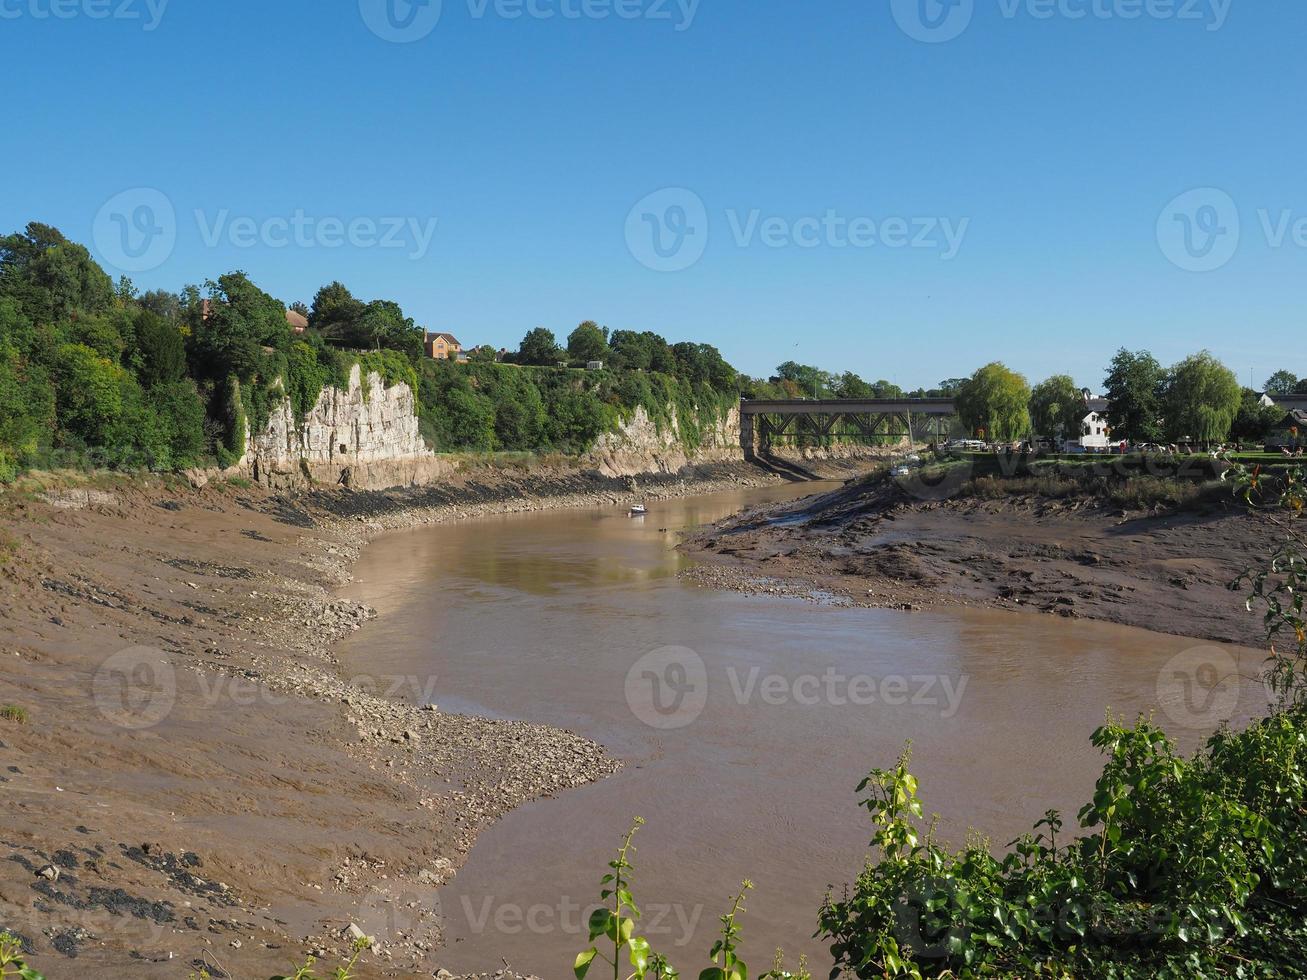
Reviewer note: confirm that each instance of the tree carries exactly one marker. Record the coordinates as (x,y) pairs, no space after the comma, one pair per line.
(383,326)
(588,343)
(160,354)
(849,385)
(51,277)
(812,382)
(1201,400)
(485,354)
(88,392)
(1254,421)
(1281,383)
(995,401)
(1057,408)
(632,350)
(336,314)
(1134,385)
(242,319)
(539,348)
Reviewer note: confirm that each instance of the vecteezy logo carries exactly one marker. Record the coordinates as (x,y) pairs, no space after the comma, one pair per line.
(668,230)
(402,914)
(1199,688)
(135,688)
(136,230)
(401,21)
(667,688)
(933,21)
(1199,230)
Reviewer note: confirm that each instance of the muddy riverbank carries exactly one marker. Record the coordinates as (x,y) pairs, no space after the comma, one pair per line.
(191,780)
(874,544)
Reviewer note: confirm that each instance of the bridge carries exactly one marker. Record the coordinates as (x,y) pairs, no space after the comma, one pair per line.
(876,420)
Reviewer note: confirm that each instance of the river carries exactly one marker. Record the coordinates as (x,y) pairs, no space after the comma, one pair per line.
(745,722)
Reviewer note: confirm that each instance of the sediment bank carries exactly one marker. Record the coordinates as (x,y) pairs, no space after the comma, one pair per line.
(1163,569)
(196,784)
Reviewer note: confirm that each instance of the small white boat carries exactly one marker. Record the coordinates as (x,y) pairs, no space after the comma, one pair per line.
(639,510)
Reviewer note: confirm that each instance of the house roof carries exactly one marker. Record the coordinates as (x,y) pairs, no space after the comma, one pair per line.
(448,337)
(1296,418)
(297,320)
(1099,405)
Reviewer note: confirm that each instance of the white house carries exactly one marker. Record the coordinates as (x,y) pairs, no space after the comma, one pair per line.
(1094,430)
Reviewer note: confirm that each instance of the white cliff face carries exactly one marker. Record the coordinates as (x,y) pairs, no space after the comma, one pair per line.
(363,437)
(638,447)
(371,441)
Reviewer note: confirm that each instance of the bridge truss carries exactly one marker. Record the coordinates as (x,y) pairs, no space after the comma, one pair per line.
(764,424)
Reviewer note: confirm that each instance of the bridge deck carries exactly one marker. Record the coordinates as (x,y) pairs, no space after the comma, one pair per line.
(849,406)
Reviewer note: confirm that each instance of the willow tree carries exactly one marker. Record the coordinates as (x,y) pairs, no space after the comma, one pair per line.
(1057,408)
(1201,399)
(995,402)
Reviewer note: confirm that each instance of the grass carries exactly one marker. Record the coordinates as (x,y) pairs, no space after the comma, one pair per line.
(1132,491)
(13,713)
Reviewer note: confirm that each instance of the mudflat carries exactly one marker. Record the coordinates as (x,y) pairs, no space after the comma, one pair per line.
(873,543)
(190,780)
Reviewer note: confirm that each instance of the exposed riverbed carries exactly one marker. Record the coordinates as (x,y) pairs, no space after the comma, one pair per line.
(782,705)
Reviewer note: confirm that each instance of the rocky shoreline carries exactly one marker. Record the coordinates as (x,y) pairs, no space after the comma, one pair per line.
(216,795)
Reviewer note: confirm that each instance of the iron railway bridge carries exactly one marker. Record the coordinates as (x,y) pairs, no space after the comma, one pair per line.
(877,421)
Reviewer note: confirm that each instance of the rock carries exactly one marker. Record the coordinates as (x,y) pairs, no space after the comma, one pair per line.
(49,873)
(353,933)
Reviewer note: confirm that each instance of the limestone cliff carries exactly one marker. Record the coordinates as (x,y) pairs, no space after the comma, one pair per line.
(366,437)
(639,447)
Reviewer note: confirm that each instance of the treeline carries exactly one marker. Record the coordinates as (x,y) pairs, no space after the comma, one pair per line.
(94,373)
(1198,400)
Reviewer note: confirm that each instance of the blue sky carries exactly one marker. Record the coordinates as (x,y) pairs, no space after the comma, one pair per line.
(1051,146)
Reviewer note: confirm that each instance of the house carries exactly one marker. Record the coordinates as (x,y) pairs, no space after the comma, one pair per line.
(298,324)
(1291,432)
(1095,433)
(444,347)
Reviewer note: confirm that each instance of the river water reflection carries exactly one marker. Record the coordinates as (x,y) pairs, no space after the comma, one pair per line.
(543,617)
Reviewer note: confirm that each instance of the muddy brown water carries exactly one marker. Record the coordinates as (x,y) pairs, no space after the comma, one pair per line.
(745,722)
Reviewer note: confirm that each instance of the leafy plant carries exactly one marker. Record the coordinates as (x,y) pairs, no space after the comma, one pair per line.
(12,963)
(618,926)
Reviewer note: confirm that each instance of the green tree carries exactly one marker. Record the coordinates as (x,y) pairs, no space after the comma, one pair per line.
(383,326)
(242,319)
(1057,408)
(160,350)
(179,406)
(51,277)
(588,342)
(336,314)
(1254,421)
(539,348)
(88,394)
(996,401)
(811,381)
(1201,399)
(849,385)
(631,350)
(1281,383)
(1134,384)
